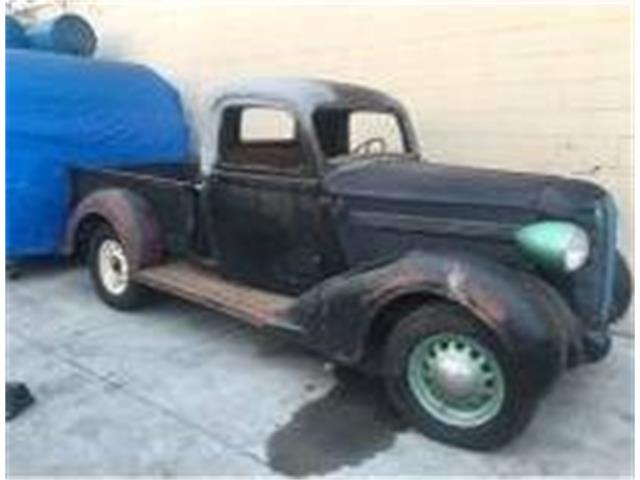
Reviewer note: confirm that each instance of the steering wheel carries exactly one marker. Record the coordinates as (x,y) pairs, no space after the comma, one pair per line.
(364,148)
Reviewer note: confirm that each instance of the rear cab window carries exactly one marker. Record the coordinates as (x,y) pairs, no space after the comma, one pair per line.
(261,138)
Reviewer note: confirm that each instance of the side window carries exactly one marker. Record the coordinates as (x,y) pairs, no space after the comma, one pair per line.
(371,132)
(261,138)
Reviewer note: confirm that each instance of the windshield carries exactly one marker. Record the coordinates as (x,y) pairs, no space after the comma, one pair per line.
(359,133)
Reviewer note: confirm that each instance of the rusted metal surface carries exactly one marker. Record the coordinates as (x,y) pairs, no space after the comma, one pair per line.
(474,210)
(531,319)
(167,192)
(350,234)
(206,287)
(132,218)
(307,93)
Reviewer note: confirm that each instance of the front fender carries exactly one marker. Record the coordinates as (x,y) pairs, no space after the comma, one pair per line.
(528,315)
(132,218)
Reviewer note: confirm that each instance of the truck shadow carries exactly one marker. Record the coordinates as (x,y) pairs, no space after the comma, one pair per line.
(37,267)
(350,424)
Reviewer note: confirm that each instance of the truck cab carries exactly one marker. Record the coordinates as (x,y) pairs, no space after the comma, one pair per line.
(311,211)
(274,147)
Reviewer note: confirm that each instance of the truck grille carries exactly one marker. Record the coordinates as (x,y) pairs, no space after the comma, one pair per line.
(592,288)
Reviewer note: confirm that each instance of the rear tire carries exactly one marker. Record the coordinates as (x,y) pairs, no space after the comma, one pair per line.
(453,379)
(111,271)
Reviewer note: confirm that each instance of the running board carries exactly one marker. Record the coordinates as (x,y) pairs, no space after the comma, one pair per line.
(208,288)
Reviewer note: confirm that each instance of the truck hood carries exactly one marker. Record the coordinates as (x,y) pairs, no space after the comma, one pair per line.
(412,181)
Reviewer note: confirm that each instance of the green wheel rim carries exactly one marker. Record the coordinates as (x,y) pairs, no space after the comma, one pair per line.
(456,379)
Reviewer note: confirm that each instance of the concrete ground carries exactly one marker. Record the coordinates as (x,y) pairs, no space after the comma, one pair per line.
(178,390)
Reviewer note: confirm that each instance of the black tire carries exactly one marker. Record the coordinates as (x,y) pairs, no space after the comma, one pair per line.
(622,289)
(132,295)
(516,407)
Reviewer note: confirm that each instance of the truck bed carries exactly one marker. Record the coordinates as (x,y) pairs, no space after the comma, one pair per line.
(169,188)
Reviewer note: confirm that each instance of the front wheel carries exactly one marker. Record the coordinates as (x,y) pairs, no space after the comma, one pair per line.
(111,271)
(452,378)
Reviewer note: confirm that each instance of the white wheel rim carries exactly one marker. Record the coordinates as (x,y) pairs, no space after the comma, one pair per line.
(113,267)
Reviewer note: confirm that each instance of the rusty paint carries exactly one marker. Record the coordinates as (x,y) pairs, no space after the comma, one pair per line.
(131,217)
(208,288)
(347,236)
(486,304)
(336,316)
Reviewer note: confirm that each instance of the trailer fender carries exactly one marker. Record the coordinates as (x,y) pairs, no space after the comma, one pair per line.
(129,214)
(528,315)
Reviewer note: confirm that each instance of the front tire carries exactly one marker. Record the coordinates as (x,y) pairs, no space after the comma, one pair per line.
(111,271)
(453,379)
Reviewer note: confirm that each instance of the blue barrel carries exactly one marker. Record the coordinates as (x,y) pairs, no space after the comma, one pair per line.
(67,33)
(15,35)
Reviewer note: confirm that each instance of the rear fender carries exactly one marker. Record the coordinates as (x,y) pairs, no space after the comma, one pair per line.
(530,317)
(132,218)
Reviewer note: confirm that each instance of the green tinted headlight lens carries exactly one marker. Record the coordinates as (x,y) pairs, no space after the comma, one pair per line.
(554,245)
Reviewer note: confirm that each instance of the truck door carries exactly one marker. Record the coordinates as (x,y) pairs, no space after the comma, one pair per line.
(265,201)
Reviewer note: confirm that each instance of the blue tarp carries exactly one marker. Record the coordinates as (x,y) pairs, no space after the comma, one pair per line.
(63,111)
(15,35)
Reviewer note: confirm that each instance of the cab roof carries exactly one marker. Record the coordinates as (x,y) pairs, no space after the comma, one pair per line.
(308,94)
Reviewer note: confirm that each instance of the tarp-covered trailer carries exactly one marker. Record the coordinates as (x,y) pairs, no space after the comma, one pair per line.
(64,111)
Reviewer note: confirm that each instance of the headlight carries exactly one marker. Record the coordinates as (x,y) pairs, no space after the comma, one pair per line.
(578,250)
(554,245)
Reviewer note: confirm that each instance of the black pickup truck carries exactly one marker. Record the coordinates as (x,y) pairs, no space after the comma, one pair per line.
(467,290)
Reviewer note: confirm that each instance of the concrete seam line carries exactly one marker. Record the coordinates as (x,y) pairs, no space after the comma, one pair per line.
(227,332)
(132,393)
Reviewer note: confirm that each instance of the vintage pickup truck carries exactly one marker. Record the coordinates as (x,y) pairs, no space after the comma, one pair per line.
(467,290)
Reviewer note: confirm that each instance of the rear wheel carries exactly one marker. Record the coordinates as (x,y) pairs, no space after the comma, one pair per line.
(454,380)
(111,271)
